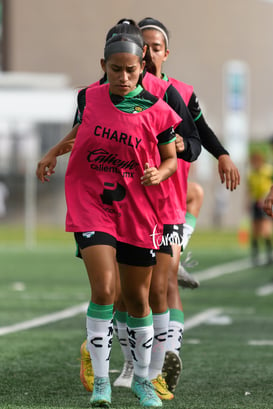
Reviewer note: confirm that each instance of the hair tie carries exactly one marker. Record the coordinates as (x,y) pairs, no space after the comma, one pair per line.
(159,29)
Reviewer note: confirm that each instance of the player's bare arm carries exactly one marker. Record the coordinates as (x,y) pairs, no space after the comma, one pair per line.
(47,164)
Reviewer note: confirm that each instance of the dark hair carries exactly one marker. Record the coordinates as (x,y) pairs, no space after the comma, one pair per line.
(129,26)
(150,23)
(127,32)
(126,26)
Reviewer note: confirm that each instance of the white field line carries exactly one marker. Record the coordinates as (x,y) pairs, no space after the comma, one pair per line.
(261,343)
(202,317)
(227,268)
(196,320)
(78,309)
(45,319)
(265,290)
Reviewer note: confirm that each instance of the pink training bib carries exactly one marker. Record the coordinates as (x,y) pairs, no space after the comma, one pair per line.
(181,179)
(102,183)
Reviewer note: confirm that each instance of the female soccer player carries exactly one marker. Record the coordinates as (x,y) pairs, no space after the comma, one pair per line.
(123,152)
(189,150)
(156,36)
(173,230)
(259,180)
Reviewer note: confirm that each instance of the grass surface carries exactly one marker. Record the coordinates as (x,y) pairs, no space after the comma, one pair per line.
(39,367)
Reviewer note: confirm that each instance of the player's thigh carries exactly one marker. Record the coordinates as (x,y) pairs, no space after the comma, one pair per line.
(100,263)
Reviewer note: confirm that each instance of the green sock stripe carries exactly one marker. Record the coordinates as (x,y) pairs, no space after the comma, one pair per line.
(134,322)
(176,315)
(121,316)
(104,312)
(190,220)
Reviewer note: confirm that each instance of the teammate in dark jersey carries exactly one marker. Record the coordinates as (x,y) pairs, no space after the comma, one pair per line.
(157,37)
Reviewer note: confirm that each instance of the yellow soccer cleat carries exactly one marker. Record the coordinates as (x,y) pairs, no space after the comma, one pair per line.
(161,388)
(86,371)
(172,370)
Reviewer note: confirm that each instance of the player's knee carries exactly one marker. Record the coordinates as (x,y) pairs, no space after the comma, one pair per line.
(195,196)
(198,192)
(172,285)
(158,300)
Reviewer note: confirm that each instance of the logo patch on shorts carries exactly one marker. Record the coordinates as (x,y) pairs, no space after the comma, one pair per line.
(88,234)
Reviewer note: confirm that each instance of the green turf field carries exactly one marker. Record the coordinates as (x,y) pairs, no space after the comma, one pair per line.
(227,359)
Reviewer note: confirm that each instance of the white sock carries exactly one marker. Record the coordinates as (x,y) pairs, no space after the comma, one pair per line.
(188,229)
(99,338)
(175,331)
(161,323)
(140,335)
(122,334)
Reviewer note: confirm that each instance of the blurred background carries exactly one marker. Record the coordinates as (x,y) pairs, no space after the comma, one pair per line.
(50,49)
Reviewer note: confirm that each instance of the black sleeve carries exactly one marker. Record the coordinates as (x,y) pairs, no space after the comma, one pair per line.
(186,128)
(208,138)
(166,136)
(75,118)
(81,106)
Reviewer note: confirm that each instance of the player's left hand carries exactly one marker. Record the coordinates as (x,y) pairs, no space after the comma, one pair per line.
(228,172)
(151,176)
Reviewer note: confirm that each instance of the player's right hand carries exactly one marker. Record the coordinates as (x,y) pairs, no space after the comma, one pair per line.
(45,167)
